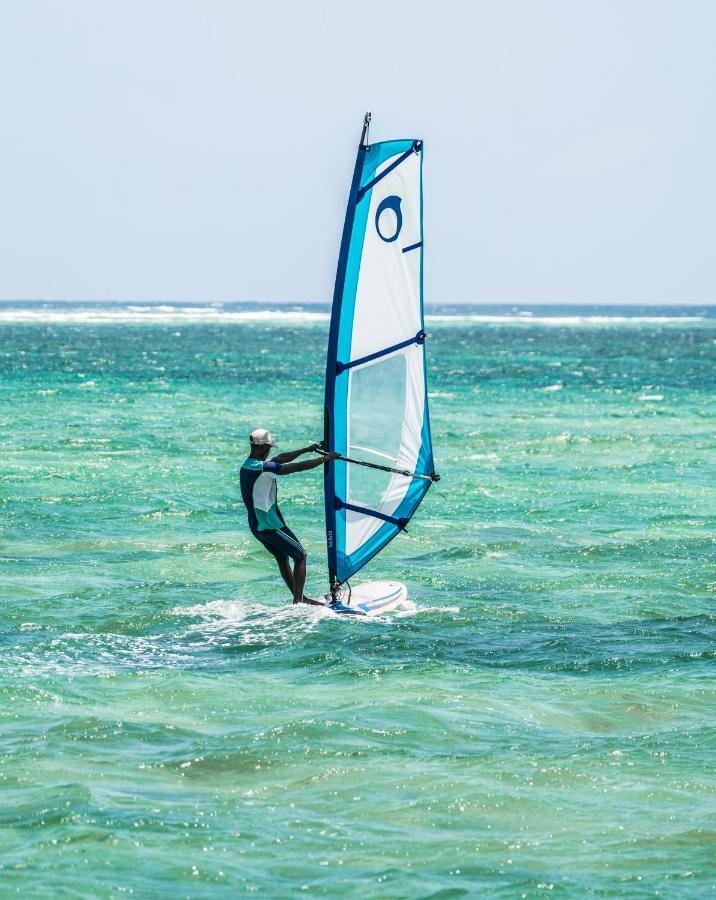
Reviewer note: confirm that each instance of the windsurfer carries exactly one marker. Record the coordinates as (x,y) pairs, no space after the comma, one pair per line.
(258,491)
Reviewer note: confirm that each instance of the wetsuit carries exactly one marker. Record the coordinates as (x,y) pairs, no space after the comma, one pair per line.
(258,491)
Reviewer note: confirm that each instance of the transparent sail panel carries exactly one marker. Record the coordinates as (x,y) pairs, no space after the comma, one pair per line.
(376,409)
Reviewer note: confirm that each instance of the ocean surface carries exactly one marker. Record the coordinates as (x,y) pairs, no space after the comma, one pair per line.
(543,721)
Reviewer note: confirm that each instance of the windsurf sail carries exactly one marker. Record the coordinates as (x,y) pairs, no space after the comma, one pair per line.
(376,405)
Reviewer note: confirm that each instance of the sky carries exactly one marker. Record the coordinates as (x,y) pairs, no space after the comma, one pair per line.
(202,151)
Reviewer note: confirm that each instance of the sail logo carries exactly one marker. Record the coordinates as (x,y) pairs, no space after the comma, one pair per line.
(388,205)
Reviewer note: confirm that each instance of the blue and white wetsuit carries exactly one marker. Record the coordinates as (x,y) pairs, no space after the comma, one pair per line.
(258,491)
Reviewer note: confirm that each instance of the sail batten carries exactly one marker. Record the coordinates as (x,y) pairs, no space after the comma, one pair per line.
(418,339)
(376,396)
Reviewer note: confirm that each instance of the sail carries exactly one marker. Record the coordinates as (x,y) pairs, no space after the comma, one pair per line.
(376,407)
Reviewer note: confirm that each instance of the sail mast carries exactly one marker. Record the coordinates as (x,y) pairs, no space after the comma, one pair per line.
(331,361)
(366,127)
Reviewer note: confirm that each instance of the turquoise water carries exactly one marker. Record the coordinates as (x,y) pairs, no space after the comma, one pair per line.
(543,723)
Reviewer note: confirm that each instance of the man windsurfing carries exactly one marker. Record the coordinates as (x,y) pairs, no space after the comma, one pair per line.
(258,491)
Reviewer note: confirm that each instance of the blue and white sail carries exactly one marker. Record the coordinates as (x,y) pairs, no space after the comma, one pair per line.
(376,393)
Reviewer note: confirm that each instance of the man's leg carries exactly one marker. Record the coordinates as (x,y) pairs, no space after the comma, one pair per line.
(276,547)
(284,567)
(284,545)
(291,582)
(299,580)
(289,577)
(295,549)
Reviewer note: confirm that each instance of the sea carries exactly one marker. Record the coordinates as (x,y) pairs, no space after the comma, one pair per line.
(540,722)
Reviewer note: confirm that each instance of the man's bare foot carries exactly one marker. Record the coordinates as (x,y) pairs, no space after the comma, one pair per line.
(310,601)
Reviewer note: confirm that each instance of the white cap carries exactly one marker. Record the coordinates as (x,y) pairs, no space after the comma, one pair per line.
(261,436)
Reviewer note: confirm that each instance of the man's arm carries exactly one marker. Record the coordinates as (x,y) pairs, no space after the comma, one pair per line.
(290,468)
(290,455)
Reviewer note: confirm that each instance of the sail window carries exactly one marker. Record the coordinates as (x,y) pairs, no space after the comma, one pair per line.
(376,403)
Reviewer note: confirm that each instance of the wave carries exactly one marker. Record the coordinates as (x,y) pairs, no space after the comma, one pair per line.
(98,314)
(162,314)
(530,319)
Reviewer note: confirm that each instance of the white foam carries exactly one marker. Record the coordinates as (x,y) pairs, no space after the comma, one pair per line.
(528,319)
(161,314)
(215,312)
(252,623)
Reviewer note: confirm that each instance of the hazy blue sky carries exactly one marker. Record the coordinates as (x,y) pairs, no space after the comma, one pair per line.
(203,150)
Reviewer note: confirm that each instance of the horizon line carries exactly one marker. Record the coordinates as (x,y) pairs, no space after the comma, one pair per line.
(315,302)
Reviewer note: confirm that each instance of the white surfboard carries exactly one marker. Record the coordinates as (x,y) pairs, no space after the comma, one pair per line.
(374,598)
